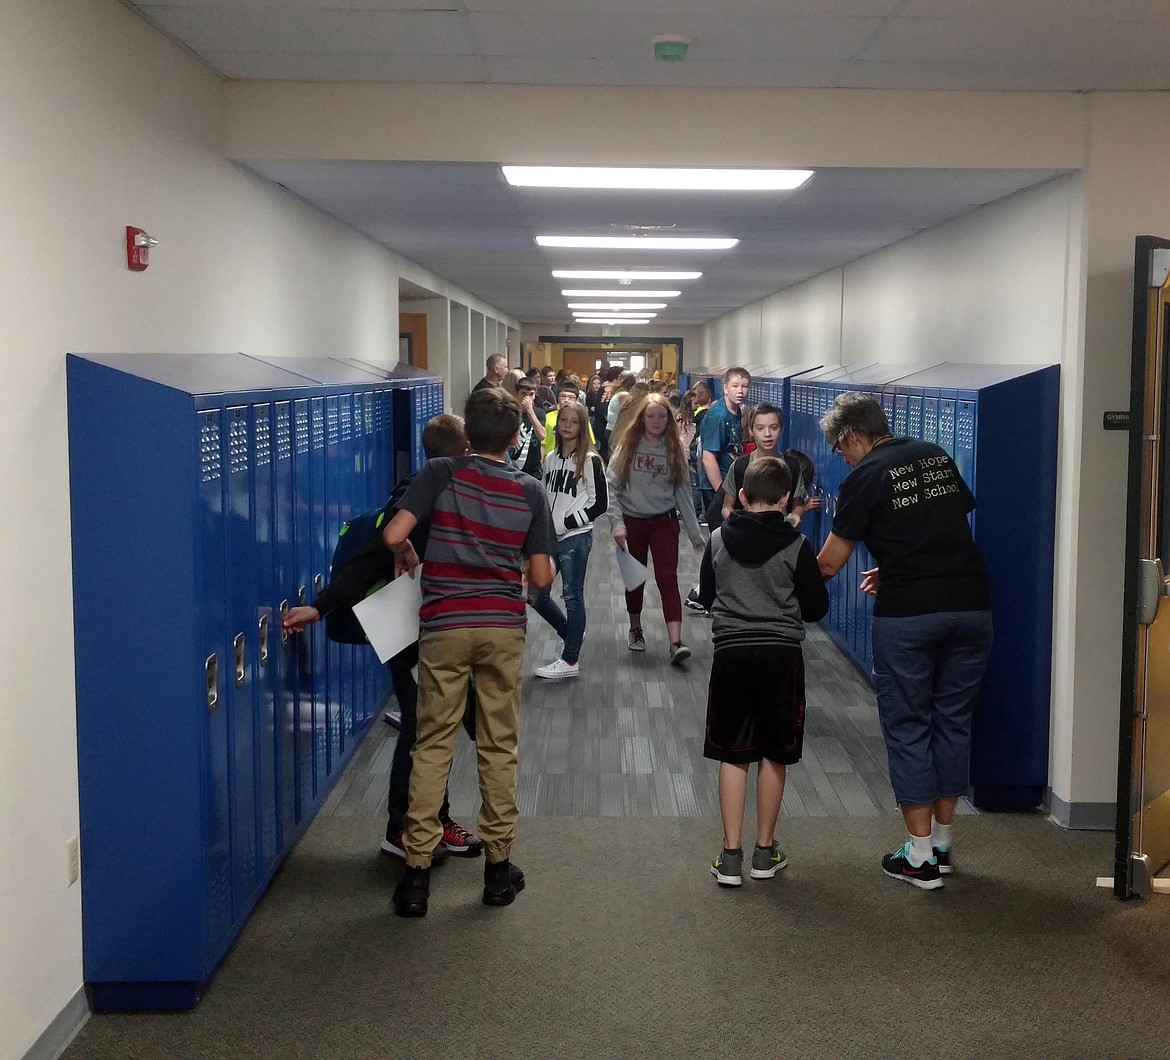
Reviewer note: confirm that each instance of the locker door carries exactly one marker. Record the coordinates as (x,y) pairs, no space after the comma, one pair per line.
(900,425)
(965,416)
(930,418)
(217,675)
(321,554)
(304,710)
(285,589)
(334,478)
(946,423)
(266,625)
(914,426)
(241,686)
(350,480)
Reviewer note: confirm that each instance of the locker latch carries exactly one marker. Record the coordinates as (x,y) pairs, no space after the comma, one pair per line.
(265,623)
(283,612)
(211,677)
(302,596)
(319,584)
(238,649)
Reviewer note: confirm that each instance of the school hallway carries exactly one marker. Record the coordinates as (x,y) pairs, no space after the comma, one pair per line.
(621,944)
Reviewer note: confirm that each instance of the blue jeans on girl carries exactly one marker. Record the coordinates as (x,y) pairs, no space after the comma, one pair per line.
(572,562)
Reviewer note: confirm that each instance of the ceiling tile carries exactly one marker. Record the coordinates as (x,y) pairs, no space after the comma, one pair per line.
(645,71)
(1007,77)
(342,66)
(1020,11)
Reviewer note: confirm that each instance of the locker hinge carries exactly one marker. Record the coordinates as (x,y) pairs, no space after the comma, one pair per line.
(1151,587)
(1159,266)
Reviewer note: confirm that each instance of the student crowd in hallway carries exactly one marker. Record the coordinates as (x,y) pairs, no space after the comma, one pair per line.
(509,499)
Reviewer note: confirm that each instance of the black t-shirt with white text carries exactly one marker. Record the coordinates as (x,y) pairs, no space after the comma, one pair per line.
(907,501)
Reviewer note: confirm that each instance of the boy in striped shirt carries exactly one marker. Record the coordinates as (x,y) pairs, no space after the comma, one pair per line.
(490,528)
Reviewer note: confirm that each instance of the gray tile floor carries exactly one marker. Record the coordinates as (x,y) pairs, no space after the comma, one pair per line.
(625,739)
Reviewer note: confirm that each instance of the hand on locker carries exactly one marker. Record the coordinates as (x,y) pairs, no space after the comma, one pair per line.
(297,618)
(870,581)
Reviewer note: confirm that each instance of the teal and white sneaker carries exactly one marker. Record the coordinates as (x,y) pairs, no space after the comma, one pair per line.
(727,868)
(767,861)
(898,866)
(943,856)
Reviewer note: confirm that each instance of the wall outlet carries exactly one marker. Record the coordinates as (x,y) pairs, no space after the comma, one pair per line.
(73,858)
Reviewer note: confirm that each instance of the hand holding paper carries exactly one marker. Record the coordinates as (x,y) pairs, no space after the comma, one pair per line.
(633,573)
(390,616)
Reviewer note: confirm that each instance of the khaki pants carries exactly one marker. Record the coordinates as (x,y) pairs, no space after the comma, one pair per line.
(446,659)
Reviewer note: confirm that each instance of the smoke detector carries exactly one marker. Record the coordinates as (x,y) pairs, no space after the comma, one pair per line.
(671,48)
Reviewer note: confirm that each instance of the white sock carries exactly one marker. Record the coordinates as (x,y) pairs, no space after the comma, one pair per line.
(940,835)
(920,850)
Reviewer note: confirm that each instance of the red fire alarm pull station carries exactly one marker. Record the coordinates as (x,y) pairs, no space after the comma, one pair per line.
(138,245)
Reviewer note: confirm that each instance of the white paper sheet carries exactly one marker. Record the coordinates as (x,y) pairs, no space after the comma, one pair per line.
(390,616)
(633,573)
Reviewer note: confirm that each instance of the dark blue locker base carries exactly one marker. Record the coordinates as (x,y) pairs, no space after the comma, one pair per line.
(145,997)
(1008,798)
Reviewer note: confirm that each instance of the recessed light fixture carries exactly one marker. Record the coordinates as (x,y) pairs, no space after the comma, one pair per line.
(624,316)
(618,276)
(575,293)
(611,320)
(628,178)
(637,242)
(621,306)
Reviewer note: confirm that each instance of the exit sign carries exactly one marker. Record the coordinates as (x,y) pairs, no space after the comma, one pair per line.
(611,329)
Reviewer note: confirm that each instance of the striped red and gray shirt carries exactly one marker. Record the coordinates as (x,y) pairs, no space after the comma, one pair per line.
(485,518)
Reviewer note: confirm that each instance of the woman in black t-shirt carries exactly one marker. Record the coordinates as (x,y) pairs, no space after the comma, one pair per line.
(931,632)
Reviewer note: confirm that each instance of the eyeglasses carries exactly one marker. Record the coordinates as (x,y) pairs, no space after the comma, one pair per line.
(836,450)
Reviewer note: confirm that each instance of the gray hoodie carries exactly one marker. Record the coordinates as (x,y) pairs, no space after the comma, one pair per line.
(651,492)
(760,581)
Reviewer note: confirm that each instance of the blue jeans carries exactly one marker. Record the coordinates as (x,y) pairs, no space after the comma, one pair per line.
(927,670)
(572,563)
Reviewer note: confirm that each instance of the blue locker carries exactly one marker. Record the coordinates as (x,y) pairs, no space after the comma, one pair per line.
(284,648)
(302,646)
(171,827)
(240,534)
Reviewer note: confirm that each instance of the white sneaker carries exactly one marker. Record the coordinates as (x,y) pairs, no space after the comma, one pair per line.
(557,670)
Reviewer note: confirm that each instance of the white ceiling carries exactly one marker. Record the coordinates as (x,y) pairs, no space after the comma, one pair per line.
(462,222)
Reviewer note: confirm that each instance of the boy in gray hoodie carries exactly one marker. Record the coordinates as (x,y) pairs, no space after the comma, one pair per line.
(759,578)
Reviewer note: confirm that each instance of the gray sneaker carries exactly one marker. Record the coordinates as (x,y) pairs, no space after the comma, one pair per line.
(767,861)
(727,868)
(636,641)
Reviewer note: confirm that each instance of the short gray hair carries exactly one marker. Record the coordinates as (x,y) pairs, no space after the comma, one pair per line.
(496,357)
(856,412)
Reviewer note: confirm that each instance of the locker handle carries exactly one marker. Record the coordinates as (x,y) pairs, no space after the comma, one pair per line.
(319,583)
(283,612)
(211,677)
(302,596)
(265,623)
(238,650)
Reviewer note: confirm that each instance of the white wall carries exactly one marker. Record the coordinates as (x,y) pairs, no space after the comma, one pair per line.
(103,124)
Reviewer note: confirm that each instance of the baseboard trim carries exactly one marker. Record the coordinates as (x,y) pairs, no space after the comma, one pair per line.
(57,1035)
(1090,816)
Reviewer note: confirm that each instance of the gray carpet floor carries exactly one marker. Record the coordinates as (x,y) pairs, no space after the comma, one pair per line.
(623,946)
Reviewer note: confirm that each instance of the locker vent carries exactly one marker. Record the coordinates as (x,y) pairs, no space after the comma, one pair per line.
(946,430)
(318,425)
(302,432)
(283,432)
(965,425)
(209,452)
(915,428)
(238,445)
(368,406)
(346,419)
(263,437)
(331,420)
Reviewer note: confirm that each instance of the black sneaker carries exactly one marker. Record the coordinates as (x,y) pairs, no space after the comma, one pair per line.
(394,846)
(692,601)
(502,881)
(412,892)
(943,856)
(897,866)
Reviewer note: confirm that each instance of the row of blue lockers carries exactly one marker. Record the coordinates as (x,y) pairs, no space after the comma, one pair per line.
(999,425)
(207,492)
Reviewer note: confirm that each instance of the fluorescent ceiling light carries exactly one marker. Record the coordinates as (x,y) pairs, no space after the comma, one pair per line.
(617,275)
(595,312)
(620,293)
(655,179)
(617,305)
(612,320)
(637,242)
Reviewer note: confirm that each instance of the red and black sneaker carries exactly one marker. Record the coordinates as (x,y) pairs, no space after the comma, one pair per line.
(459,841)
(898,866)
